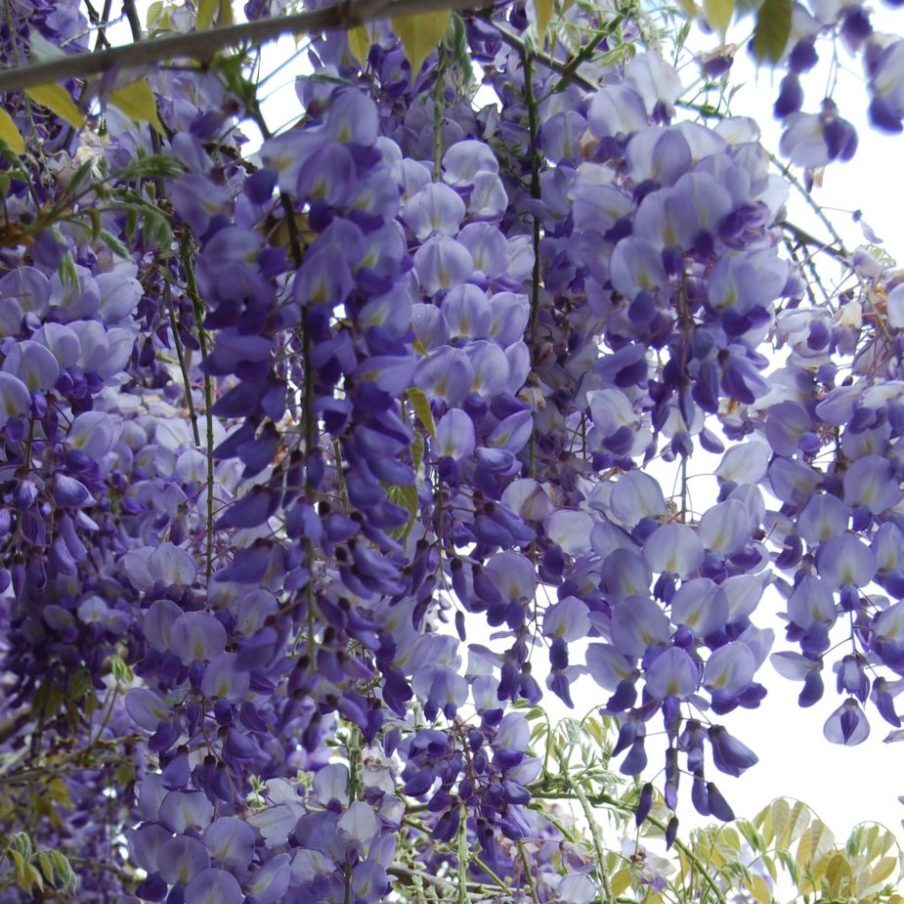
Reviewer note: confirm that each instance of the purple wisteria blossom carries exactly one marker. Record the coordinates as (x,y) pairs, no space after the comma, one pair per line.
(327,465)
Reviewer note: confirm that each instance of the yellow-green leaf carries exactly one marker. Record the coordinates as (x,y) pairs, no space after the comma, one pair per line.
(883,869)
(10,134)
(359,43)
(619,882)
(137,101)
(158,17)
(422,408)
(58,100)
(773,28)
(19,866)
(543,12)
(813,843)
(759,888)
(839,875)
(45,863)
(420,35)
(207,9)
(719,13)
(213,10)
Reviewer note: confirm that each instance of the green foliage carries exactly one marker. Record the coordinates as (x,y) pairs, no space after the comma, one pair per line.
(773,28)
(137,101)
(59,101)
(421,407)
(36,872)
(10,134)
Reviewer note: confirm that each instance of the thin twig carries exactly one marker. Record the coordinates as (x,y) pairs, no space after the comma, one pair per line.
(191,288)
(802,191)
(805,238)
(597,846)
(528,878)
(183,363)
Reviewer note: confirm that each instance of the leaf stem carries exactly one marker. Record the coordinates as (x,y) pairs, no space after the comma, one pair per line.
(597,844)
(198,309)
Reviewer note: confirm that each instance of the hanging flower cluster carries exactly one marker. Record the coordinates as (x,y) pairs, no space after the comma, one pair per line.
(318,469)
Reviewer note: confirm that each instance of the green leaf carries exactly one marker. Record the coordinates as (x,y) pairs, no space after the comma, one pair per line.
(153,165)
(420,35)
(751,835)
(839,875)
(63,869)
(543,12)
(113,244)
(790,864)
(456,41)
(359,43)
(813,842)
(620,882)
(207,9)
(883,869)
(758,887)
(157,17)
(79,684)
(121,671)
(47,699)
(407,498)
(10,134)
(137,101)
(19,866)
(57,791)
(718,14)
(422,408)
(156,229)
(58,100)
(45,863)
(773,28)
(22,843)
(596,731)
(417,452)
(33,878)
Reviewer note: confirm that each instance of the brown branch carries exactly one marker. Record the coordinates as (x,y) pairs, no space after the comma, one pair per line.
(202,45)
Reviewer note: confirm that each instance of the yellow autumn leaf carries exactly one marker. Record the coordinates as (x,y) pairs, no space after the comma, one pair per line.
(359,43)
(137,101)
(58,100)
(10,134)
(420,35)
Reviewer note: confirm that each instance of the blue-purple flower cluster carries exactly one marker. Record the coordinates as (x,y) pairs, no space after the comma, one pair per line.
(277,438)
